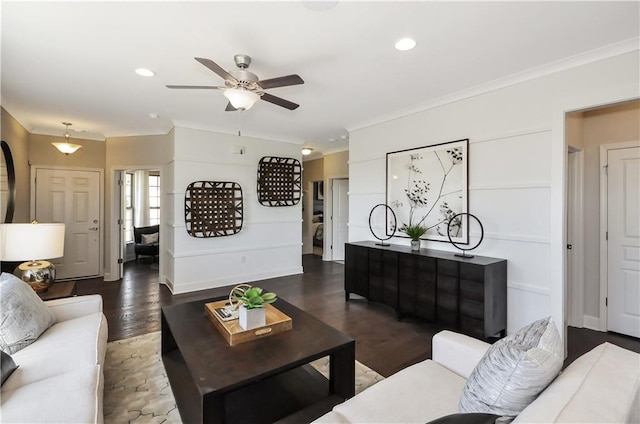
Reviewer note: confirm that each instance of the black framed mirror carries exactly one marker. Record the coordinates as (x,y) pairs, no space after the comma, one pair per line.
(7,184)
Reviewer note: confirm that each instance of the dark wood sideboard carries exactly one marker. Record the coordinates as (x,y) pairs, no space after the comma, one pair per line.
(469,295)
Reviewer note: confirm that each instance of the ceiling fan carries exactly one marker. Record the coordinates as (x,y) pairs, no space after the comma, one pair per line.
(243,88)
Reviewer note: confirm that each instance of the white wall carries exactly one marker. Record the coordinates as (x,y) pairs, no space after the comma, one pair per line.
(269,244)
(517,177)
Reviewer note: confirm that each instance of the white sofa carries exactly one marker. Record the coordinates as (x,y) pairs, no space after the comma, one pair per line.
(602,386)
(59,378)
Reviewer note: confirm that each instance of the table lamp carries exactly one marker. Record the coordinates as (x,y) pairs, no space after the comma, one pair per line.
(33,242)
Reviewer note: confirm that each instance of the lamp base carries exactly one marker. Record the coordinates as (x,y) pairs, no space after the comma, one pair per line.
(40,275)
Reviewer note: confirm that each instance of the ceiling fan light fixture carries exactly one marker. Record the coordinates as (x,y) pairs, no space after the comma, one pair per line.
(307,151)
(241,98)
(64,146)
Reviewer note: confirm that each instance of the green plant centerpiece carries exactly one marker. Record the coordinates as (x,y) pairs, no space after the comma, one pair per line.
(251,301)
(254,297)
(414,232)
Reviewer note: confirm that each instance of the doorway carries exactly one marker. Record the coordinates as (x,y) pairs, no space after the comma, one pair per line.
(591,288)
(317,219)
(140,201)
(73,197)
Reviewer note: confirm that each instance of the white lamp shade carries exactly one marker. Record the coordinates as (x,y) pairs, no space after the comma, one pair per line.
(241,99)
(66,148)
(22,242)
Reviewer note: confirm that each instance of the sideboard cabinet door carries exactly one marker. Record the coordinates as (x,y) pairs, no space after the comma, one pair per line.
(356,276)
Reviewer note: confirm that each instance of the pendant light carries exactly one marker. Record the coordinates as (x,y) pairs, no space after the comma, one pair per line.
(66,147)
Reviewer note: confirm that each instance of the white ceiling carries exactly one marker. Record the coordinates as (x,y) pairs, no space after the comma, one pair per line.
(75,61)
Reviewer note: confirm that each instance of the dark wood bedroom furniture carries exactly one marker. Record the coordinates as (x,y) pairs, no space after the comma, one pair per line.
(468,295)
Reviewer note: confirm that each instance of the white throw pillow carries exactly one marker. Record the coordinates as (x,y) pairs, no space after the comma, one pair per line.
(23,315)
(514,370)
(150,238)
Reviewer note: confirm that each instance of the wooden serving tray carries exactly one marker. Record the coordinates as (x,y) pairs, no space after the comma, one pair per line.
(277,322)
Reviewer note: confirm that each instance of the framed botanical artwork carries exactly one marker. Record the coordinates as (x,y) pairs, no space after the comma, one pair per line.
(427,186)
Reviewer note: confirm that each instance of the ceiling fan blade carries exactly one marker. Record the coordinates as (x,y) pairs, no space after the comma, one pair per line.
(216,68)
(230,108)
(279,101)
(197,87)
(281,81)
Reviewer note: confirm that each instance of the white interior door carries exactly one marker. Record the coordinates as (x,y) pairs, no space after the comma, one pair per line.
(623,250)
(72,197)
(122,253)
(340,215)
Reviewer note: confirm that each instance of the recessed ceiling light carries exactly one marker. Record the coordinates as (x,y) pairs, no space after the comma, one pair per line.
(332,140)
(306,150)
(153,115)
(405,44)
(344,137)
(145,72)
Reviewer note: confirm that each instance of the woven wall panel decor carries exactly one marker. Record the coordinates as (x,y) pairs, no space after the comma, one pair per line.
(213,209)
(279,181)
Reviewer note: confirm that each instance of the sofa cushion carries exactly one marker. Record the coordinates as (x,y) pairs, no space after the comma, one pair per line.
(62,348)
(23,315)
(7,366)
(601,386)
(73,397)
(514,370)
(417,394)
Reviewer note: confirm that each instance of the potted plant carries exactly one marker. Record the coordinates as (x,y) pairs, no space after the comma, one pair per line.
(251,299)
(415,232)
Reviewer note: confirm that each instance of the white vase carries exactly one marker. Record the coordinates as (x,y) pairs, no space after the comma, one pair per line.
(415,244)
(252,318)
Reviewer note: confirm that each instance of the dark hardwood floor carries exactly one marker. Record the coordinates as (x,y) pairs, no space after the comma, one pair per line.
(132,307)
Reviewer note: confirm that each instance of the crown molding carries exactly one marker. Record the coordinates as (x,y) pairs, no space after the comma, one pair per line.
(612,50)
(60,133)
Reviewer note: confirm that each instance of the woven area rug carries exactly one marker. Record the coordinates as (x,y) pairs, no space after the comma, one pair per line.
(136,389)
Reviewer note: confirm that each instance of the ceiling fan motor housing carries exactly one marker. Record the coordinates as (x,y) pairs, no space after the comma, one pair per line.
(242,61)
(245,79)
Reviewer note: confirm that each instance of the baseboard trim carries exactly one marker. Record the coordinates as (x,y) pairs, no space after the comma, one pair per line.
(231,280)
(592,323)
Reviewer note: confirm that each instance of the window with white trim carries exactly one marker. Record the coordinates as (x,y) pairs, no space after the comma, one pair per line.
(154,199)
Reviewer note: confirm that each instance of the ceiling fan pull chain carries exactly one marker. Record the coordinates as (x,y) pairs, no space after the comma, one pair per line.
(240,122)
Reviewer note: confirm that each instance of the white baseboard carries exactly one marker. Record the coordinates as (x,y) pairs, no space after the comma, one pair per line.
(592,323)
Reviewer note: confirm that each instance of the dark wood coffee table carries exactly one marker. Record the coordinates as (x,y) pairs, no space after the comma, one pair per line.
(262,381)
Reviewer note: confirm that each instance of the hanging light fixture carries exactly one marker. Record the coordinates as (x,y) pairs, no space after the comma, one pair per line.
(240,98)
(66,147)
